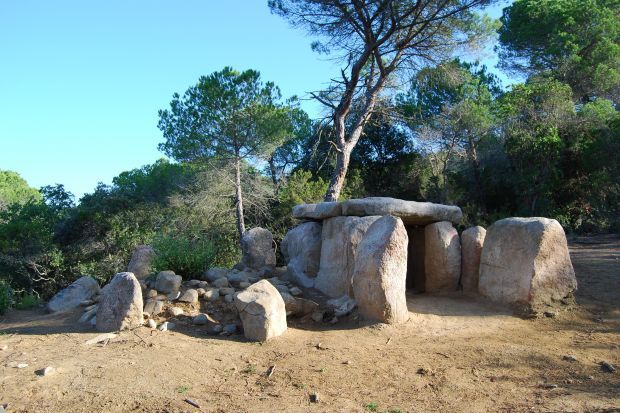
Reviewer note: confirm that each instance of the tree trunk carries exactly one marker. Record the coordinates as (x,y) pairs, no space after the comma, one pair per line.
(343,158)
(272,170)
(239,199)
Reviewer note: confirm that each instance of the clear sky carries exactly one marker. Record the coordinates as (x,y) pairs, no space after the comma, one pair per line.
(81,81)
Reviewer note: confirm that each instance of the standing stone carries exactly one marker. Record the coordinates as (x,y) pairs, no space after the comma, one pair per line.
(339,240)
(257,247)
(82,289)
(380,274)
(121,306)
(262,311)
(301,248)
(525,261)
(141,261)
(168,282)
(442,257)
(472,240)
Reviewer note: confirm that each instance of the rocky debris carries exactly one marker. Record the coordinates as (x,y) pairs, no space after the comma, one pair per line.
(194,283)
(215,273)
(379,277)
(212,294)
(201,292)
(258,249)
(21,365)
(229,298)
(342,305)
(472,240)
(141,261)
(153,307)
(168,282)
(189,296)
(244,285)
(298,306)
(82,289)
(314,397)
(339,240)
(203,319)
(229,329)
(607,367)
(262,311)
(220,283)
(227,290)
(173,296)
(47,371)
(410,212)
(151,294)
(525,261)
(167,325)
(121,304)
(301,248)
(569,357)
(88,315)
(322,210)
(152,324)
(442,257)
(282,288)
(175,311)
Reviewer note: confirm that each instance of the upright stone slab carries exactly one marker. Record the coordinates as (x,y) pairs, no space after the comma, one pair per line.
(442,257)
(69,298)
(301,248)
(141,261)
(257,248)
(411,212)
(472,240)
(120,306)
(339,240)
(379,279)
(525,261)
(262,311)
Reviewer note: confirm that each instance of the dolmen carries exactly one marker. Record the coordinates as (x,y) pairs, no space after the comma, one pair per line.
(374,249)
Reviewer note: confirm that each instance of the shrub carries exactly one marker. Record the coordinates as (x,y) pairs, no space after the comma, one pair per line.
(27,301)
(184,255)
(6,296)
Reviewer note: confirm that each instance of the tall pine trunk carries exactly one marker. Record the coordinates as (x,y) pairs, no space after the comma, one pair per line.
(239,198)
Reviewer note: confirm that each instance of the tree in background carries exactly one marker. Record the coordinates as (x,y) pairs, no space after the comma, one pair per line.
(229,116)
(377,40)
(574,41)
(14,189)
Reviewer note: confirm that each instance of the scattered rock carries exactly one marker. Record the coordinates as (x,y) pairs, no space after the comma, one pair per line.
(82,289)
(217,329)
(100,338)
(212,295)
(607,367)
(167,325)
(151,293)
(154,307)
(472,241)
(262,311)
(229,298)
(317,316)
(168,282)
(550,314)
(257,247)
(201,292)
(194,283)
(314,397)
(569,358)
(203,319)
(121,304)
(227,291)
(442,257)
(152,324)
(141,261)
(282,288)
(238,277)
(47,371)
(21,366)
(295,291)
(525,261)
(88,315)
(189,296)
(301,248)
(220,283)
(215,273)
(175,311)
(548,386)
(380,274)
(173,296)
(342,305)
(244,285)
(229,329)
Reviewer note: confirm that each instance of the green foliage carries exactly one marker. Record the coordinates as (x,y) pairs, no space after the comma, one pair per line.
(183,255)
(15,190)
(6,296)
(27,301)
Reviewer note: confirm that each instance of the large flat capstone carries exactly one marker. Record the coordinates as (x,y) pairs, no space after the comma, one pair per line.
(410,212)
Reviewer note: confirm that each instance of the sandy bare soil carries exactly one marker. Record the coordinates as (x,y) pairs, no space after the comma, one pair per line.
(455,354)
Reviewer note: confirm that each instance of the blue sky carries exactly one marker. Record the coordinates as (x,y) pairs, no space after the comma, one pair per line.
(81,81)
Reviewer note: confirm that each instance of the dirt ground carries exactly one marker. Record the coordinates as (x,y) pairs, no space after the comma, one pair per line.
(455,354)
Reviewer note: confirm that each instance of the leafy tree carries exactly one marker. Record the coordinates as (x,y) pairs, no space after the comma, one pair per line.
(574,41)
(14,189)
(229,116)
(376,40)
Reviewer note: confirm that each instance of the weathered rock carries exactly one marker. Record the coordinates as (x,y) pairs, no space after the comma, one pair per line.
(167,325)
(244,285)
(212,294)
(173,296)
(215,273)
(151,293)
(229,298)
(342,305)
(298,306)
(220,283)
(82,289)
(227,290)
(194,283)
(262,311)
(472,240)
(302,250)
(121,304)
(153,307)
(189,296)
(442,257)
(141,261)
(229,329)
(525,261)
(201,292)
(411,212)
(203,319)
(380,274)
(168,282)
(88,314)
(257,247)
(152,324)
(318,211)
(339,241)
(295,291)
(282,288)
(238,277)
(175,311)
